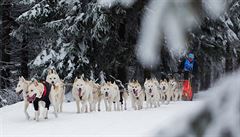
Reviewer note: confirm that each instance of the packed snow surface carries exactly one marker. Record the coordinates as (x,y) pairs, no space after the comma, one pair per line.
(146,122)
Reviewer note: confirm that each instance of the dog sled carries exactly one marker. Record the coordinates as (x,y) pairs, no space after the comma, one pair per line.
(187,91)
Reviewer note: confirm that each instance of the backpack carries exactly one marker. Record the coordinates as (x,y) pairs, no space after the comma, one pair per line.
(188,66)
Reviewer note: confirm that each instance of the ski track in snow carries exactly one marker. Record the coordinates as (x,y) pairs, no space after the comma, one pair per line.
(146,122)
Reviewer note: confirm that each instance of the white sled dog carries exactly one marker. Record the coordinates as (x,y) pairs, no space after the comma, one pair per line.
(136,94)
(38,93)
(96,96)
(82,93)
(152,93)
(111,96)
(57,90)
(163,89)
(178,91)
(172,88)
(22,87)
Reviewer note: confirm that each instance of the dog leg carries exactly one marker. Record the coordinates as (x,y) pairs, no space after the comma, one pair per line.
(133,103)
(118,105)
(125,104)
(106,104)
(93,106)
(114,104)
(139,104)
(61,102)
(175,97)
(26,104)
(110,105)
(86,108)
(99,104)
(83,109)
(37,113)
(78,106)
(168,98)
(180,98)
(45,113)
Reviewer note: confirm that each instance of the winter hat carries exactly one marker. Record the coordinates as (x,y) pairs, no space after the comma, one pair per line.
(191,55)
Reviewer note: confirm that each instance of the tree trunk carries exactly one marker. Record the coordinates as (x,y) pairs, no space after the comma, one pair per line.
(5,61)
(24,58)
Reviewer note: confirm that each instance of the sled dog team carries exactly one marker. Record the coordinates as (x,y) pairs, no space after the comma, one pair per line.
(88,94)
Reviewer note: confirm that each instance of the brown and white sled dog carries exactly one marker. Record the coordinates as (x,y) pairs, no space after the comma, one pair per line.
(82,93)
(38,93)
(58,90)
(163,89)
(111,96)
(22,87)
(96,96)
(178,91)
(137,95)
(152,94)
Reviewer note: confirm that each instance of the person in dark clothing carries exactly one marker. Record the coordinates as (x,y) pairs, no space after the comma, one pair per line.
(188,66)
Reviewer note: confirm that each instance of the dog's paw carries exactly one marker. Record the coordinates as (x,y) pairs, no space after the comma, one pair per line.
(28,117)
(55,114)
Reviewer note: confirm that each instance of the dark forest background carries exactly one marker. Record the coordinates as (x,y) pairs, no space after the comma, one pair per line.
(80,36)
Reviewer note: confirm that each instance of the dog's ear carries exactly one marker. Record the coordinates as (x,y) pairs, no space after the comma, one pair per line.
(82,76)
(22,79)
(76,79)
(50,71)
(54,71)
(35,82)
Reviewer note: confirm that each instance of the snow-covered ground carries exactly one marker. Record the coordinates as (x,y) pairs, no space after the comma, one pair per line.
(146,122)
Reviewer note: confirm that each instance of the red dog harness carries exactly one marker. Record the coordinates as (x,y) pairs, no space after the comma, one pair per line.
(44,91)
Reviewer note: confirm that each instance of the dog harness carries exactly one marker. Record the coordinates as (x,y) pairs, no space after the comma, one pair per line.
(44,91)
(44,98)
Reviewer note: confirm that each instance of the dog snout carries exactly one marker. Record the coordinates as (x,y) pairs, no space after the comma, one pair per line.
(106,94)
(164,87)
(52,82)
(150,90)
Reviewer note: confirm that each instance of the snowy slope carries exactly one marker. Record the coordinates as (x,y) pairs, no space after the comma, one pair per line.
(146,122)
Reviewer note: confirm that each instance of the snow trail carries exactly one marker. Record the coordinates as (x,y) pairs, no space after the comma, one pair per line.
(146,122)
